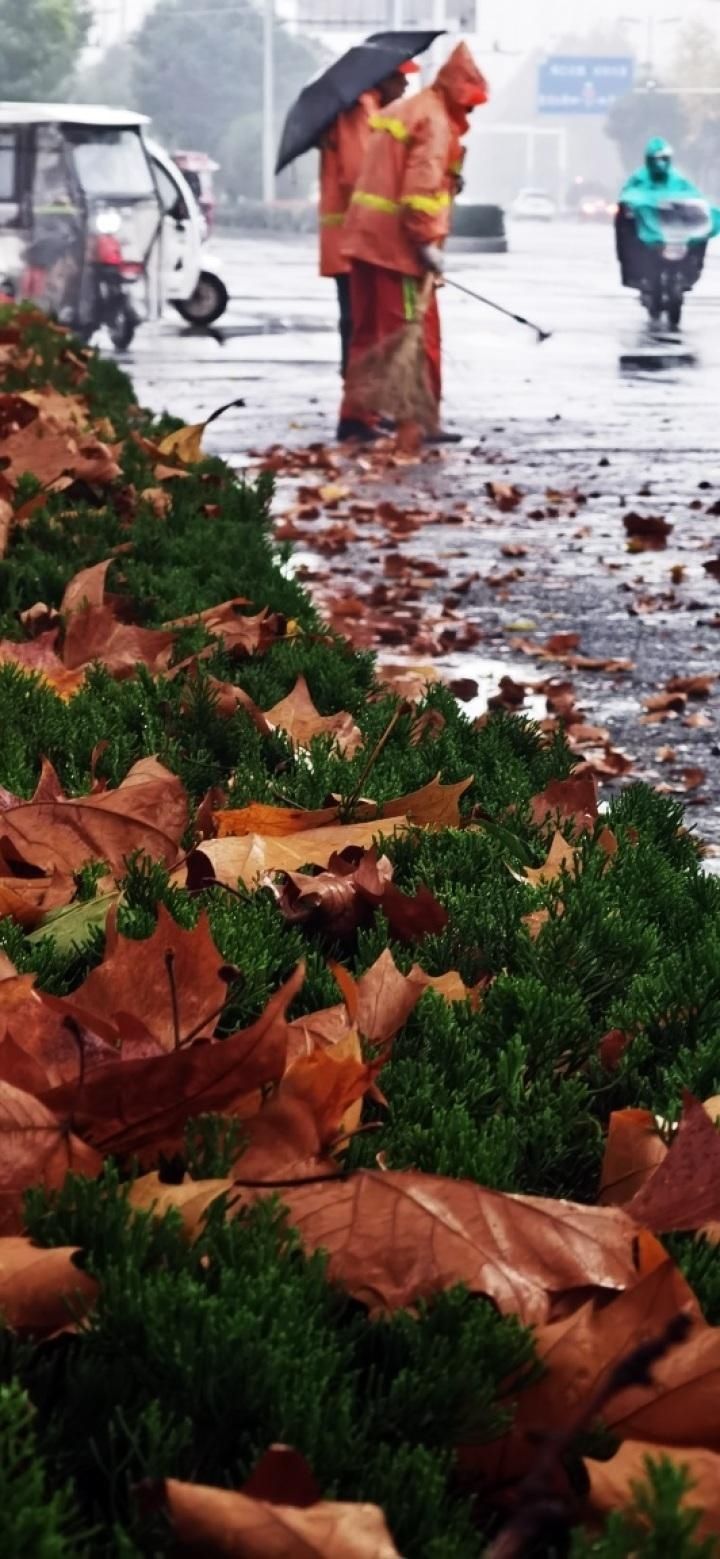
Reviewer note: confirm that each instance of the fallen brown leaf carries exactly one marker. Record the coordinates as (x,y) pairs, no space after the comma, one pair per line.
(613,1484)
(395,1238)
(220,1522)
(633,1150)
(35,1149)
(42,1291)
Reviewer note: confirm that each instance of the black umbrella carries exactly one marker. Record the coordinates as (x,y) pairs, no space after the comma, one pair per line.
(339,87)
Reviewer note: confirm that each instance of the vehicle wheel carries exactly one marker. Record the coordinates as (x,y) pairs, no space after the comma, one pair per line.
(122,327)
(209,300)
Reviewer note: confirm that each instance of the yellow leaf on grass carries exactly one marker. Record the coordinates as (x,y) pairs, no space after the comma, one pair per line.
(561,857)
(247,858)
(191,1199)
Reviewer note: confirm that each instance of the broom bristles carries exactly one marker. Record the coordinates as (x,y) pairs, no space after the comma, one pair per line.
(392,379)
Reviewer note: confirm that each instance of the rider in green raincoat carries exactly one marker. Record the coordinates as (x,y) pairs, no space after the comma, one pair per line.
(654,185)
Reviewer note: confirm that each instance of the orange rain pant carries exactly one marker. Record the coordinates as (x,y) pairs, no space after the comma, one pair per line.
(381,303)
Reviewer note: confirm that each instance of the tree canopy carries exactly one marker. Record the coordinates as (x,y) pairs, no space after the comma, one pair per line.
(198,75)
(39,44)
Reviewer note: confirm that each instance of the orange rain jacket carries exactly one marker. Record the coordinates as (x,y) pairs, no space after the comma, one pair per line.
(341,158)
(405,188)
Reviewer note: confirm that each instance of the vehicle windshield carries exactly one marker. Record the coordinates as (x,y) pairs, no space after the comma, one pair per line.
(110,163)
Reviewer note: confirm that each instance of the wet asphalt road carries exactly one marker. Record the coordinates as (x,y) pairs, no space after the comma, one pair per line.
(561,417)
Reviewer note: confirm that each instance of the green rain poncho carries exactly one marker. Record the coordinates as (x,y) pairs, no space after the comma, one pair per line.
(644,193)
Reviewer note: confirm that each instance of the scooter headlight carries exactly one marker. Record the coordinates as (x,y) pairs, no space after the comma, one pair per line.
(107,221)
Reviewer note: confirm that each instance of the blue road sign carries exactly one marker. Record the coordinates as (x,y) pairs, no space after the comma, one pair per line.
(583,83)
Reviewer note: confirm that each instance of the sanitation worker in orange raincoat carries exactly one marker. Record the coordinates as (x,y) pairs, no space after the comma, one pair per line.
(399,218)
(341,158)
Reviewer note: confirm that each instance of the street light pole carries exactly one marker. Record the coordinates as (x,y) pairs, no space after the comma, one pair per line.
(268,127)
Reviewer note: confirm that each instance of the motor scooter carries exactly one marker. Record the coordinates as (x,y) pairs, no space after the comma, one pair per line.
(664,270)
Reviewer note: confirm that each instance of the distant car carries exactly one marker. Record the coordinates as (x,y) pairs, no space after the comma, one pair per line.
(597,208)
(534,205)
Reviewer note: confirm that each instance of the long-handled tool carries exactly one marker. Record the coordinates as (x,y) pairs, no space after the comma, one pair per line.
(542,335)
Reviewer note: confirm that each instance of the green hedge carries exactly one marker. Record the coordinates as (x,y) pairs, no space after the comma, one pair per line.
(196,1359)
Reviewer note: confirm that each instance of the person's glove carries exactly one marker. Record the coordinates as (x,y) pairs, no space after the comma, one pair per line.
(432,258)
(459,183)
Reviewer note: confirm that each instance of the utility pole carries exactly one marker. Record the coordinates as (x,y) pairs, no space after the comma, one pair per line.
(268,130)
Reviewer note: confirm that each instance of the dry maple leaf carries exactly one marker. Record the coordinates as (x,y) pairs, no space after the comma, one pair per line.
(35,1149)
(40,656)
(294,1134)
(170,984)
(143,1106)
(633,1150)
(147,813)
(380,1002)
(94,633)
(613,1484)
(351,890)
(191,1199)
(42,1290)
(272,822)
(297,716)
(395,1238)
(86,588)
(433,806)
(220,1522)
(231,860)
(684,1191)
(572,800)
(578,1351)
(561,858)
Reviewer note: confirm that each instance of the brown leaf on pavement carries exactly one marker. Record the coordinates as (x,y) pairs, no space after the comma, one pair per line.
(297,716)
(95,633)
(395,1238)
(35,1150)
(647,531)
(695,687)
(684,1191)
(504,496)
(220,1522)
(170,980)
(633,1151)
(42,1291)
(573,800)
(143,1106)
(613,1484)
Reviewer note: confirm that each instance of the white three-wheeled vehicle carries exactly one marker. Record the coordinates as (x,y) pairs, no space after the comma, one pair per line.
(97,225)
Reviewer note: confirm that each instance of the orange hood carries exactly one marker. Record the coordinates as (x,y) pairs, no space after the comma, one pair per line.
(461,81)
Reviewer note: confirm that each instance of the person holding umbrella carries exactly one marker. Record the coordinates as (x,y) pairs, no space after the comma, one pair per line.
(331,114)
(341,155)
(398,222)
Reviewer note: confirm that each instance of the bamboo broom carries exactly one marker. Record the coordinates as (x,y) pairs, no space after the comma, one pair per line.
(392,380)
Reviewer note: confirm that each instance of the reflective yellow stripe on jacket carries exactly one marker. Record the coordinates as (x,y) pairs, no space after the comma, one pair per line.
(428,203)
(332,219)
(362,197)
(393,127)
(431,204)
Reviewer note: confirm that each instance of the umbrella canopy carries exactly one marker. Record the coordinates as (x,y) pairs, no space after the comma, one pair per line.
(339,87)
